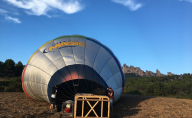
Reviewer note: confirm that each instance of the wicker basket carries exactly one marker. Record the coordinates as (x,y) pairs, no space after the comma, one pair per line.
(90,106)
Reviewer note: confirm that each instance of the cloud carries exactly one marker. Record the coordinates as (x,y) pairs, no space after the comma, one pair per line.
(15,20)
(41,7)
(2,11)
(131,4)
(7,17)
(189,1)
(186,0)
(11,11)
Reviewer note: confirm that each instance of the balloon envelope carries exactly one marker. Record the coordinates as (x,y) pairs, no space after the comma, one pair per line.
(79,64)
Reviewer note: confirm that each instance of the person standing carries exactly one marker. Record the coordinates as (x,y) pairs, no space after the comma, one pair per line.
(53,97)
(111,96)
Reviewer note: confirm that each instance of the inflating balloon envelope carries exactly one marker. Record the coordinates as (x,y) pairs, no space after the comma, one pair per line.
(78,63)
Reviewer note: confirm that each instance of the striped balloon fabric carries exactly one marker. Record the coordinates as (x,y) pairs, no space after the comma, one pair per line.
(77,63)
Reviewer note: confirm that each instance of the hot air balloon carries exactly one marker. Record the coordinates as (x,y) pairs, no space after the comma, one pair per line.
(79,64)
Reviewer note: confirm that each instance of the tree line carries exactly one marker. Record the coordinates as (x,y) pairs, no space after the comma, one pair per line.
(10,76)
(11,69)
(168,86)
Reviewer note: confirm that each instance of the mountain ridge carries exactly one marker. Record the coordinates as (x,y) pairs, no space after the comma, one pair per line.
(140,73)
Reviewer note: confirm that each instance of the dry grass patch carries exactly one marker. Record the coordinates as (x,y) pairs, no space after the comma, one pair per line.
(18,105)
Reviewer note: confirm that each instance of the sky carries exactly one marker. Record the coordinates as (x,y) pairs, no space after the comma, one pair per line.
(150,34)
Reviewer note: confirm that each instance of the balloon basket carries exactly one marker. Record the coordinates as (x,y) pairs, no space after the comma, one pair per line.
(89,105)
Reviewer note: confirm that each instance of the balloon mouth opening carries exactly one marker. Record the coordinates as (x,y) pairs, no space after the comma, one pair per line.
(68,89)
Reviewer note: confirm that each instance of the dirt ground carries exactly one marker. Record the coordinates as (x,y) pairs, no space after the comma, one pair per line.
(18,105)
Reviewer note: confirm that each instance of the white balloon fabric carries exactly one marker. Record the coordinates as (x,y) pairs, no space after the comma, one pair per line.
(78,63)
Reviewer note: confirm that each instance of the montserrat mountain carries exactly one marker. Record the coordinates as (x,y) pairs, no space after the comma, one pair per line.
(138,72)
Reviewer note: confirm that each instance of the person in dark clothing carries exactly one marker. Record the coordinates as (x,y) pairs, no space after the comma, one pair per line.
(111,96)
(53,97)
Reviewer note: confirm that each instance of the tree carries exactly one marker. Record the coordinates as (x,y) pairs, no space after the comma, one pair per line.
(15,85)
(9,68)
(149,90)
(172,89)
(18,69)
(158,88)
(2,69)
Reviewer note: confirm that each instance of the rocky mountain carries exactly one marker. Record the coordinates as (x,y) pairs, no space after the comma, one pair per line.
(140,73)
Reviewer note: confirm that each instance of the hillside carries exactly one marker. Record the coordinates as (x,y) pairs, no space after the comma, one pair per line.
(18,105)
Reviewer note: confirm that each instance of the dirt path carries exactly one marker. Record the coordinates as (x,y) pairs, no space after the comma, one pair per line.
(18,105)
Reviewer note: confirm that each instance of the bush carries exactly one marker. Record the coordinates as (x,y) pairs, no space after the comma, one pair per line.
(190,96)
(15,80)
(135,92)
(2,88)
(2,75)
(149,90)
(4,83)
(17,87)
(182,94)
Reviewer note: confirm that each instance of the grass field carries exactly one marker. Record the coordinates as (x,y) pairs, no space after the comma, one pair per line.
(18,105)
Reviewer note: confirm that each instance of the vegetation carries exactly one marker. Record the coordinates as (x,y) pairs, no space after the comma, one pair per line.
(128,75)
(10,76)
(168,86)
(10,69)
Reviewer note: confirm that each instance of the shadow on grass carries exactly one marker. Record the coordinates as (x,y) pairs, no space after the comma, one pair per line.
(128,105)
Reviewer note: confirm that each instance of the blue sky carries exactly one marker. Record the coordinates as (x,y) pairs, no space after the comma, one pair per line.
(150,34)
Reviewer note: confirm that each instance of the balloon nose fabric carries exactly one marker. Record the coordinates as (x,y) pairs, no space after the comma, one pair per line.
(77,63)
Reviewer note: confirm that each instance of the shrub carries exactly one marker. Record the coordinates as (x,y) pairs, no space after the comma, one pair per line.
(4,83)
(2,88)
(182,94)
(135,92)
(17,87)
(190,96)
